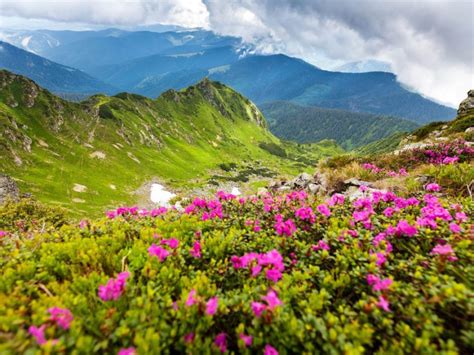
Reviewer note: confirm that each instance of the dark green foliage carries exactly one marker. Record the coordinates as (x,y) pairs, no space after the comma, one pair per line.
(273,148)
(311,124)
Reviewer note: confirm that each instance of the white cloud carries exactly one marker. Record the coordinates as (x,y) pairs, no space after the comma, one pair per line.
(428,43)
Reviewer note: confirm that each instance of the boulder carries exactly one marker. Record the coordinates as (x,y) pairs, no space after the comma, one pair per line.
(8,189)
(467,105)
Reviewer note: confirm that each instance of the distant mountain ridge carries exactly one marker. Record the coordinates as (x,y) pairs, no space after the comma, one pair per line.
(56,77)
(149,63)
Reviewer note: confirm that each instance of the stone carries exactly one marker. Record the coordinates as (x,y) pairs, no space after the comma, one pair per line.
(8,189)
(469,130)
(262,191)
(356,182)
(467,105)
(314,188)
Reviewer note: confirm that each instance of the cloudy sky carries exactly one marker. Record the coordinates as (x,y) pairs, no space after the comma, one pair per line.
(429,43)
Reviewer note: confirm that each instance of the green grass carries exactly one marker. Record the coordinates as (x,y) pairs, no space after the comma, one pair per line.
(179,138)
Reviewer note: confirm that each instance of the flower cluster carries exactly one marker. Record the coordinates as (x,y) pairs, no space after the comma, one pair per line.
(114,287)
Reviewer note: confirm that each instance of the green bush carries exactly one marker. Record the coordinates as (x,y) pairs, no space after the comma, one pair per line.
(328,304)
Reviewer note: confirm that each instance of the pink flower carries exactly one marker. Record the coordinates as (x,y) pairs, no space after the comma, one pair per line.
(38,333)
(404,228)
(461,217)
(247,339)
(196,250)
(127,351)
(273,275)
(336,199)
(284,227)
(61,316)
(270,350)
(221,342)
(159,252)
(189,338)
(114,287)
(377,283)
(383,304)
(388,212)
(211,306)
(191,299)
(445,249)
(450,160)
(172,242)
(272,300)
(322,245)
(433,187)
(380,259)
(455,228)
(305,214)
(258,308)
(324,210)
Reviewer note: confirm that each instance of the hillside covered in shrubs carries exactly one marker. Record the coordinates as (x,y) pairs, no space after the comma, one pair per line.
(284,272)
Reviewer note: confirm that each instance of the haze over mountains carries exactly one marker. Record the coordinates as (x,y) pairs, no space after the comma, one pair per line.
(149,63)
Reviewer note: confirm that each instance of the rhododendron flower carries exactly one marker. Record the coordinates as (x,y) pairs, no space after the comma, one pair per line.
(444,250)
(383,304)
(196,250)
(114,287)
(426,222)
(404,228)
(322,245)
(389,211)
(284,227)
(377,283)
(221,342)
(38,333)
(258,308)
(189,338)
(336,199)
(272,299)
(450,160)
(255,270)
(380,259)
(433,187)
(270,350)
(324,210)
(247,339)
(3,234)
(127,351)
(191,299)
(273,275)
(61,316)
(455,228)
(305,214)
(159,252)
(172,242)
(211,306)
(461,217)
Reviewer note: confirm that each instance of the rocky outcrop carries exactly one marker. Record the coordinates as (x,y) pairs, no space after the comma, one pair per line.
(467,105)
(8,189)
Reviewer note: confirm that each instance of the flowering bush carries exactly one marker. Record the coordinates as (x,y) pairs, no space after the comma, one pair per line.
(381,274)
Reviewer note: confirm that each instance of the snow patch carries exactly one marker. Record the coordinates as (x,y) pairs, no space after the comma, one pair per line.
(160,196)
(235,191)
(25,41)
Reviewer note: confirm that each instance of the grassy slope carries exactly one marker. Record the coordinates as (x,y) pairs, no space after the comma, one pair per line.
(179,137)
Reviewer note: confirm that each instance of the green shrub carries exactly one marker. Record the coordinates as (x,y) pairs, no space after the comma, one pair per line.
(327,304)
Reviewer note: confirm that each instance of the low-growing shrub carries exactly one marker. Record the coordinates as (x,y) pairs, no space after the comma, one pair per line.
(288,274)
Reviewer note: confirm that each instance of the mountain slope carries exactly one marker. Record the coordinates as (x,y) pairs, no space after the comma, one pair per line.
(97,153)
(311,124)
(54,76)
(279,77)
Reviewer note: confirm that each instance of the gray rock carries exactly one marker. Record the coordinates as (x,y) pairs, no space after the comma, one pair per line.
(8,189)
(314,188)
(469,130)
(422,179)
(467,105)
(261,191)
(356,182)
